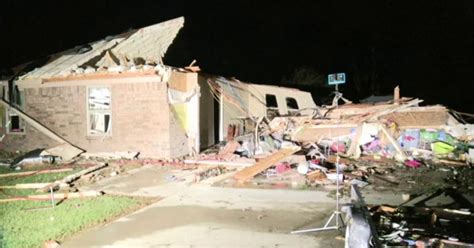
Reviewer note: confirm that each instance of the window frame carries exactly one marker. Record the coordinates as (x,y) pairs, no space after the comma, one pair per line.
(8,117)
(19,97)
(288,105)
(266,101)
(90,112)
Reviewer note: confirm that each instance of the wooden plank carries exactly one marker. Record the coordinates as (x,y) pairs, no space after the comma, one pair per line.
(57,196)
(217,162)
(395,144)
(354,149)
(264,164)
(28,173)
(73,177)
(25,186)
(316,133)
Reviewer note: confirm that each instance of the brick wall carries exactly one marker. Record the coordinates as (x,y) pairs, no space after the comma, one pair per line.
(141,120)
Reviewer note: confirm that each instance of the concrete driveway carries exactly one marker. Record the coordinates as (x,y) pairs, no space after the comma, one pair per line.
(205,216)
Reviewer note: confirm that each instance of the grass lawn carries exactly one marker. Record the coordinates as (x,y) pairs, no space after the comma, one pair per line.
(30,223)
(40,178)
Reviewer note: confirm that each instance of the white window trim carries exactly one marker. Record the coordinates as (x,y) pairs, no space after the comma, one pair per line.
(89,112)
(288,107)
(8,123)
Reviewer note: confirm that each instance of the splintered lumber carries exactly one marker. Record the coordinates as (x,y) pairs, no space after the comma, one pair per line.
(73,177)
(265,163)
(354,149)
(216,162)
(315,133)
(409,104)
(394,143)
(228,151)
(57,196)
(334,159)
(25,186)
(36,172)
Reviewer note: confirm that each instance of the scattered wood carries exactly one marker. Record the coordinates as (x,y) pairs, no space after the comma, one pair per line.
(57,196)
(315,133)
(391,109)
(67,180)
(333,159)
(25,186)
(36,172)
(316,175)
(216,162)
(396,95)
(450,162)
(111,155)
(227,153)
(385,179)
(354,149)
(401,153)
(264,164)
(193,68)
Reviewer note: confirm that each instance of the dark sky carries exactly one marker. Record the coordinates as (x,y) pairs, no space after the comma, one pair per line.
(426,47)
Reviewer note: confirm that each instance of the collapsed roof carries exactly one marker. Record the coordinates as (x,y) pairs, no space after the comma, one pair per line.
(125,51)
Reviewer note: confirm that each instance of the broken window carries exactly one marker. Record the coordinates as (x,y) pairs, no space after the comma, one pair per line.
(292,106)
(100,112)
(291,103)
(14,123)
(271,101)
(272,106)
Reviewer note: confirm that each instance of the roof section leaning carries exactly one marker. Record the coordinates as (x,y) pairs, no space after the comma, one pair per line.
(148,44)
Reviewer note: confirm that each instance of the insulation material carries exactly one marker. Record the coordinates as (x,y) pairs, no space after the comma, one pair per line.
(180,109)
(370,131)
(461,131)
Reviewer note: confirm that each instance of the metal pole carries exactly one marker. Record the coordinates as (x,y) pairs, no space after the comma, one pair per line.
(52,196)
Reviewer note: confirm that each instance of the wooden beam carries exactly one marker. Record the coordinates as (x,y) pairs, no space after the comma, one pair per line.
(25,186)
(36,172)
(72,177)
(395,144)
(264,164)
(57,196)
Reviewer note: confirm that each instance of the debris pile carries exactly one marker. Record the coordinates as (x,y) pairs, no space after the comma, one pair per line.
(362,140)
(431,227)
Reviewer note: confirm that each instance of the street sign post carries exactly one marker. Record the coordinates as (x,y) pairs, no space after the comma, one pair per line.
(337,79)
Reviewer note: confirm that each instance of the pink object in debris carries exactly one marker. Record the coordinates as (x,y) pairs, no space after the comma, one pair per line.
(282,167)
(413,163)
(338,147)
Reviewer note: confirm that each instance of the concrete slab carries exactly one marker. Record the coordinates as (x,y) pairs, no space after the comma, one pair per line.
(205,216)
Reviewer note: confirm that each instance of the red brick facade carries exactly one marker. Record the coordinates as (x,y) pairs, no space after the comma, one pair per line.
(141,120)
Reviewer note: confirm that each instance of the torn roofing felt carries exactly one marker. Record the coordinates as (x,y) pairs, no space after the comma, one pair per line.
(148,44)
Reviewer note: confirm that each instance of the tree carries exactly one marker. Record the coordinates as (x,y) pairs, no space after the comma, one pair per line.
(306,76)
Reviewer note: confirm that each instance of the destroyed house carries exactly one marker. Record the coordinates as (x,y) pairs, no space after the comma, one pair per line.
(116,95)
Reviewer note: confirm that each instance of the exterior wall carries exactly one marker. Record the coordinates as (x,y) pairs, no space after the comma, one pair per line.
(233,114)
(253,96)
(141,120)
(257,103)
(184,93)
(206,114)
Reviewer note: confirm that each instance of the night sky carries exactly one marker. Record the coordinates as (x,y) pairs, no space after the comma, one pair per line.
(426,47)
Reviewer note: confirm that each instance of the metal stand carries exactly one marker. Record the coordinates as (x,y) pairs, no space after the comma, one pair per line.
(336,214)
